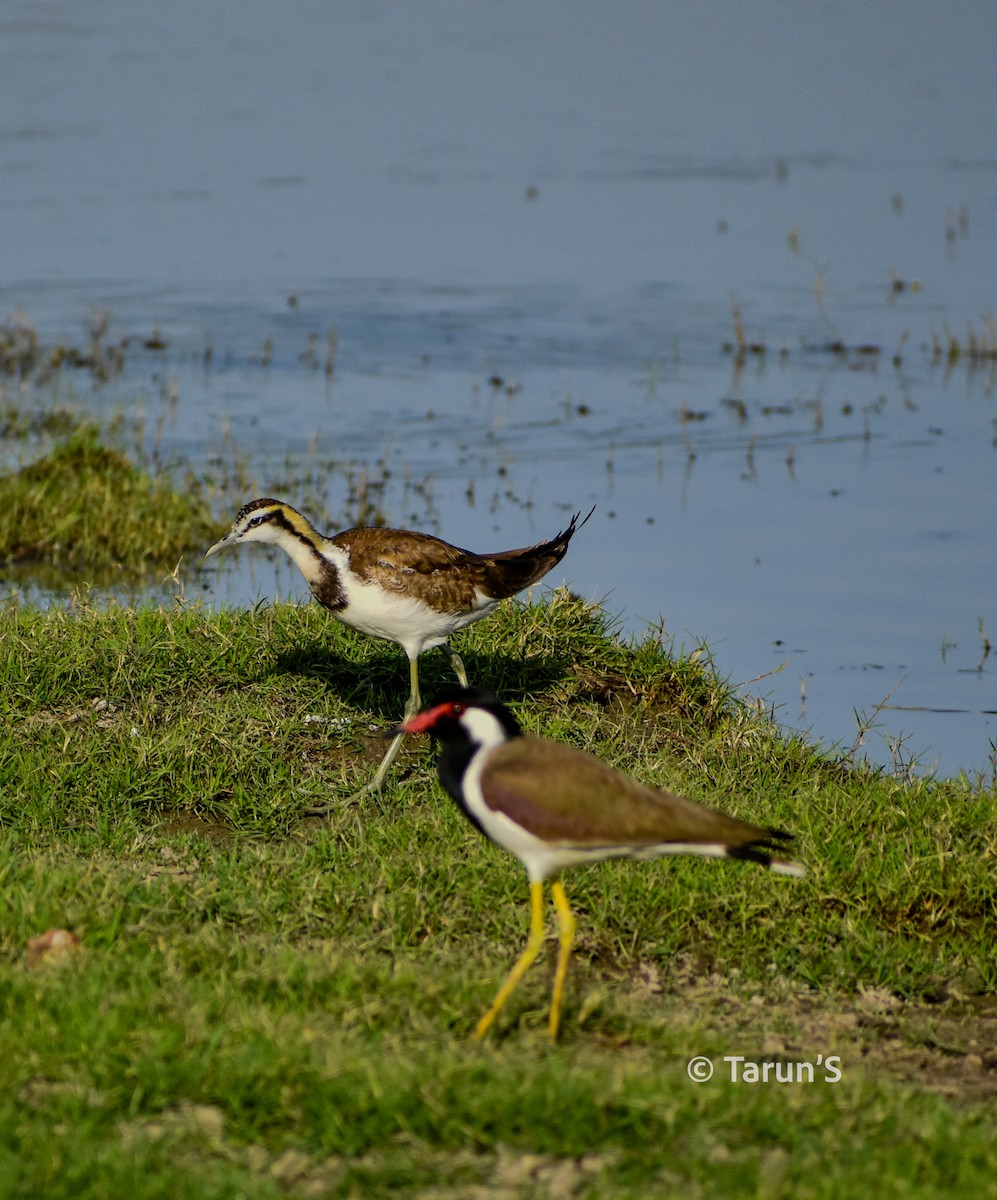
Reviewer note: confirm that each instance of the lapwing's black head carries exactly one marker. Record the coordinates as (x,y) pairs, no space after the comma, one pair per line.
(466,722)
(465,715)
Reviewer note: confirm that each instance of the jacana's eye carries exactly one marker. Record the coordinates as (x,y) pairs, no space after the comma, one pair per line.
(257,521)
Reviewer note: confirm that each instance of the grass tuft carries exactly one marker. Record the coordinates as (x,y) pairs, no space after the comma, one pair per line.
(86,507)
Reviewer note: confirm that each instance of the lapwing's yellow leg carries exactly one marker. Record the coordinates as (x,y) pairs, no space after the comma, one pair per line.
(534,944)
(457,663)
(566,934)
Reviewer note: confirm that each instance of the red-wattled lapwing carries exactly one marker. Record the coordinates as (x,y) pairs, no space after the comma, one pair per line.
(552,805)
(410,588)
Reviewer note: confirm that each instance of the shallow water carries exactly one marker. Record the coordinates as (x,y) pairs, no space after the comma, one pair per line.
(570,204)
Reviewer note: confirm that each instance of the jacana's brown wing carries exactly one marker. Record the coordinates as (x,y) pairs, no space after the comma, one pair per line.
(569,798)
(400,560)
(447,577)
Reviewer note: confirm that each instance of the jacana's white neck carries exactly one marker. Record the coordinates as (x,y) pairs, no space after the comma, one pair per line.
(307,553)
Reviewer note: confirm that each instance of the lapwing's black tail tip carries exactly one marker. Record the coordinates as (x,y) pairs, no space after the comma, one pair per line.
(766,850)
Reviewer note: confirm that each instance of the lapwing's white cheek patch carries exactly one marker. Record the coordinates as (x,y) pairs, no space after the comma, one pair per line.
(483,728)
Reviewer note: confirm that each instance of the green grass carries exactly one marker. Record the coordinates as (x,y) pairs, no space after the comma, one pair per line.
(85,507)
(267,1005)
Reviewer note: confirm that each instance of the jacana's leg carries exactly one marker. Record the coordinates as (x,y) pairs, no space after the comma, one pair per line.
(457,663)
(534,944)
(566,933)
(414,702)
(411,708)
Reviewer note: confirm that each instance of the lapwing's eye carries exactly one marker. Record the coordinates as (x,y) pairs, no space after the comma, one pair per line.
(458,710)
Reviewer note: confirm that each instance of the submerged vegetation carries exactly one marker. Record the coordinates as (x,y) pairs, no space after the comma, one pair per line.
(24,355)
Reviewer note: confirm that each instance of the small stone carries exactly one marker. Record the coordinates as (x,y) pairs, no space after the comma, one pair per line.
(55,945)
